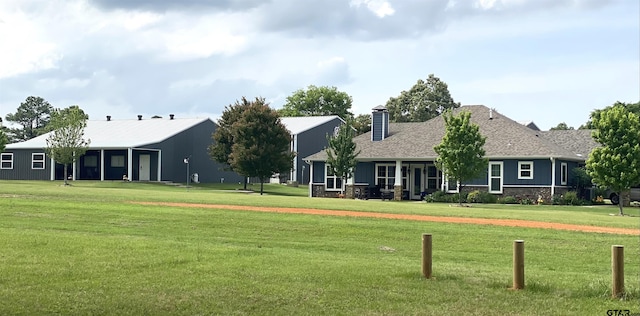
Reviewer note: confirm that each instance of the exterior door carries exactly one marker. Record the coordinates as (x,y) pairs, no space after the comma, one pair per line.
(144,168)
(416,187)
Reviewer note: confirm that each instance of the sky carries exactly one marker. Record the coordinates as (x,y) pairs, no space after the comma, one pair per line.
(546,61)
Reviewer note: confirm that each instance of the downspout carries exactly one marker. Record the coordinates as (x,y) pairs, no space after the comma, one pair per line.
(53,169)
(553,176)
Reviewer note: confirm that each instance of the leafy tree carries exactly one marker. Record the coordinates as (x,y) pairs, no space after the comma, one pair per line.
(362,123)
(3,139)
(33,115)
(424,101)
(66,142)
(341,153)
(261,143)
(631,107)
(616,163)
(561,127)
(318,101)
(461,152)
(221,148)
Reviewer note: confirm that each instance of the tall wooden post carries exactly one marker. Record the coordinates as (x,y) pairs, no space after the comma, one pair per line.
(518,264)
(617,270)
(426,255)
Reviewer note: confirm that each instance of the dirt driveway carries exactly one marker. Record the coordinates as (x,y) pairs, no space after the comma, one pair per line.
(425,218)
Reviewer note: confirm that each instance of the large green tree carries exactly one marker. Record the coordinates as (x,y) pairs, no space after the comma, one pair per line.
(461,152)
(66,142)
(616,163)
(318,101)
(261,143)
(341,153)
(3,139)
(631,107)
(33,115)
(362,123)
(561,127)
(424,101)
(221,148)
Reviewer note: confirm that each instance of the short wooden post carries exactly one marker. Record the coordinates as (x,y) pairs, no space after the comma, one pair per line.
(426,255)
(617,270)
(518,264)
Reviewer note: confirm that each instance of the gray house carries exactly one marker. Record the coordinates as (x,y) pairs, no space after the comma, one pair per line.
(154,149)
(398,159)
(308,136)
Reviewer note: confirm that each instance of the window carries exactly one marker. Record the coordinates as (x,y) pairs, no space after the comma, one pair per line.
(405,178)
(452,186)
(433,178)
(331,181)
(6,161)
(386,176)
(495,177)
(37,161)
(525,169)
(92,161)
(117,161)
(564,173)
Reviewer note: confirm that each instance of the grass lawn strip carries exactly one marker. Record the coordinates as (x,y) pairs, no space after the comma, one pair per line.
(425,218)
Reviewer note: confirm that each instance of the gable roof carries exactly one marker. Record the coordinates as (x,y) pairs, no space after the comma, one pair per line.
(579,141)
(123,133)
(300,124)
(506,138)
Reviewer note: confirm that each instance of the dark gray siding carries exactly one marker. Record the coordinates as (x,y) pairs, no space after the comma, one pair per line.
(318,171)
(22,166)
(379,128)
(115,172)
(541,172)
(192,143)
(311,142)
(365,173)
(570,166)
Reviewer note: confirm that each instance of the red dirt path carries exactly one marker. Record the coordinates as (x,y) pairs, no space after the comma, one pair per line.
(425,218)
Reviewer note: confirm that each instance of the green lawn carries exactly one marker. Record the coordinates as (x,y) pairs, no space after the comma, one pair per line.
(85,249)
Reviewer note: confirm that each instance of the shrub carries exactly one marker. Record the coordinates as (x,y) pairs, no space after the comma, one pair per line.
(508,200)
(571,198)
(526,201)
(478,196)
(443,197)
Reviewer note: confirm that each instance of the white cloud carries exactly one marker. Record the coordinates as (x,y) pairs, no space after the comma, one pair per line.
(25,47)
(380,8)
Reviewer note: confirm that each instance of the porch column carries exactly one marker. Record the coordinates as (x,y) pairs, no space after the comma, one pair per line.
(73,170)
(349,191)
(553,177)
(159,165)
(310,178)
(397,185)
(294,148)
(130,164)
(53,169)
(101,164)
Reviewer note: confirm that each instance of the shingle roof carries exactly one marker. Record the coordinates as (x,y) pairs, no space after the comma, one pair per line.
(578,141)
(299,124)
(123,133)
(506,138)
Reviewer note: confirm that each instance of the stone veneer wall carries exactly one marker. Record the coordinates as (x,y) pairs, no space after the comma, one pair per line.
(319,191)
(532,193)
(397,192)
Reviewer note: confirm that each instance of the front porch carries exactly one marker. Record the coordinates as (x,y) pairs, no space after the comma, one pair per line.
(131,164)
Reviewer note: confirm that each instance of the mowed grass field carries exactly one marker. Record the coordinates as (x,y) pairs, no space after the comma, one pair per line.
(87,250)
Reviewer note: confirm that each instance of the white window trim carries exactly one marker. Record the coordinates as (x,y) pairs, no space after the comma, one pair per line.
(335,180)
(446,185)
(3,161)
(387,177)
(564,173)
(501,164)
(33,161)
(520,176)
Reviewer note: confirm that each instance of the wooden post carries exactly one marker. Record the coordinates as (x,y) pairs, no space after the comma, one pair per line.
(518,264)
(426,255)
(617,270)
